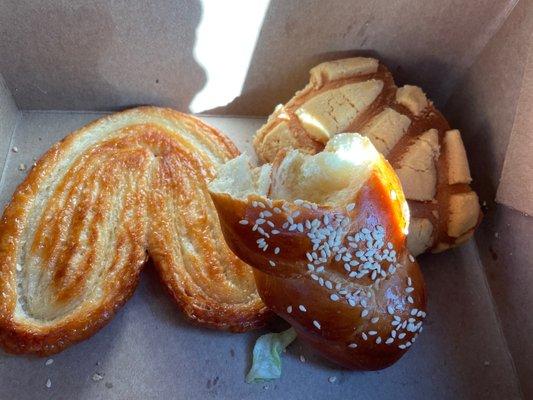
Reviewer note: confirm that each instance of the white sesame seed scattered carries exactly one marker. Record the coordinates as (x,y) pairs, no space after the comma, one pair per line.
(302,308)
(243,222)
(321,281)
(316,324)
(276,250)
(328,284)
(364,336)
(409,289)
(409,281)
(393,334)
(274,232)
(320,269)
(272,263)
(364,313)
(254,228)
(350,207)
(267,213)
(97,377)
(410,299)
(314,277)
(277,210)
(289,309)
(302,358)
(408,344)
(411,258)
(389,340)
(402,346)
(271,224)
(374,320)
(298,202)
(351,302)
(265,247)
(310,267)
(260,221)
(352,345)
(48,383)
(309,257)
(50,361)
(397,318)
(254,204)
(372,333)
(260,204)
(378,340)
(334,297)
(332,379)
(401,335)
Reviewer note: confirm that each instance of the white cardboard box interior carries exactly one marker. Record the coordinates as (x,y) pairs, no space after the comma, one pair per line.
(469,56)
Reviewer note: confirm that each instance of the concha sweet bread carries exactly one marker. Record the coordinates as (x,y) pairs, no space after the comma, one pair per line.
(80,227)
(359,95)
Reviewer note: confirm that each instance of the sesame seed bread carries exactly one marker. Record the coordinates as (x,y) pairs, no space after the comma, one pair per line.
(80,227)
(359,95)
(327,241)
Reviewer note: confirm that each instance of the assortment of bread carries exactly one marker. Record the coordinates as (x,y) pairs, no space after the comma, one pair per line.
(359,95)
(326,234)
(80,227)
(330,222)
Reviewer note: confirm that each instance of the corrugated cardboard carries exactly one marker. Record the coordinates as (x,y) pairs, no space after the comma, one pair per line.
(104,56)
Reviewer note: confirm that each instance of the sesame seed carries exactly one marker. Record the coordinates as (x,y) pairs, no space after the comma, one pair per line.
(267,213)
(401,347)
(274,232)
(271,224)
(364,336)
(350,207)
(372,333)
(49,362)
(410,299)
(277,210)
(289,309)
(309,256)
(320,269)
(310,267)
(351,302)
(18,267)
(260,204)
(397,318)
(352,345)
(265,247)
(48,383)
(254,227)
(329,285)
(302,308)
(272,263)
(393,334)
(298,202)
(401,335)
(413,311)
(364,313)
(389,341)
(409,289)
(254,203)
(378,340)
(243,222)
(276,250)
(316,324)
(409,281)
(408,344)
(321,281)
(374,320)
(411,258)
(332,379)
(314,277)
(302,358)
(334,297)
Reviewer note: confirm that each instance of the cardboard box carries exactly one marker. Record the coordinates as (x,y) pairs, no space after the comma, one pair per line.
(66,63)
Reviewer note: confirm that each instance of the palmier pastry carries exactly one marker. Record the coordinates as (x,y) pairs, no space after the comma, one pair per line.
(359,95)
(79,228)
(326,235)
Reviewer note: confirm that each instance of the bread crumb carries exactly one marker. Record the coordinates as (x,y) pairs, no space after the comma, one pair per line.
(48,383)
(332,379)
(97,377)
(302,358)
(22,167)
(486,363)
(15,149)
(49,361)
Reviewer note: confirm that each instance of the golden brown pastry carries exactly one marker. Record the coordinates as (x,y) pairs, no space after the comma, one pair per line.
(359,95)
(80,227)
(326,235)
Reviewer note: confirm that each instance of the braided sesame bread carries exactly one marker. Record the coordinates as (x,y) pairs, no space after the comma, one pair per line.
(359,95)
(326,235)
(80,227)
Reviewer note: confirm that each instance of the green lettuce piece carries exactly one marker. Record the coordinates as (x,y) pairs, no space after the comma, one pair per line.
(266,363)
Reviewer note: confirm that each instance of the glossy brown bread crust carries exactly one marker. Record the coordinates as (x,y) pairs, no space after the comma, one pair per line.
(358,319)
(360,95)
(80,227)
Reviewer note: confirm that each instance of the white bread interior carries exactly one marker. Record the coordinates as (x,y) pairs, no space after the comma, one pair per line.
(327,178)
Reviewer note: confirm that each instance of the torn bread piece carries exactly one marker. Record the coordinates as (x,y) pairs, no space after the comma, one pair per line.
(326,234)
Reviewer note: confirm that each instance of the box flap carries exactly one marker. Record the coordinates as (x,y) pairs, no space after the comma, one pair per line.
(516,185)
